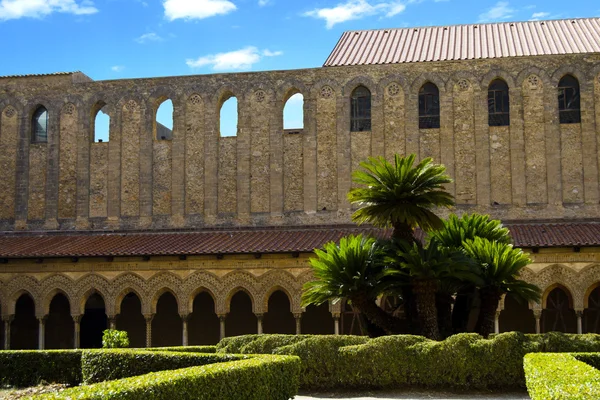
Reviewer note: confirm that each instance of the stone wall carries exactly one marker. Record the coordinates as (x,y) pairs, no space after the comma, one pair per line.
(535,168)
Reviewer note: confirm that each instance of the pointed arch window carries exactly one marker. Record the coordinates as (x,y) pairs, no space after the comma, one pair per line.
(39,125)
(429,106)
(568,100)
(360,110)
(498,104)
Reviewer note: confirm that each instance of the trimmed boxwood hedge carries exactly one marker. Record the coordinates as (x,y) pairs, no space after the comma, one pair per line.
(22,368)
(264,377)
(110,364)
(562,376)
(462,361)
(185,349)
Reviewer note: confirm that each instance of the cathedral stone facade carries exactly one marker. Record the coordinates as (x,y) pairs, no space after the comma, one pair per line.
(190,237)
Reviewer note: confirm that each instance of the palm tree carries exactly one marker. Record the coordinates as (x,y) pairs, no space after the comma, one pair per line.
(351,270)
(499,265)
(454,233)
(427,267)
(400,195)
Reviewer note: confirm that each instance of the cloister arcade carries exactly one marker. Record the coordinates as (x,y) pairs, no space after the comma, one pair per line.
(168,311)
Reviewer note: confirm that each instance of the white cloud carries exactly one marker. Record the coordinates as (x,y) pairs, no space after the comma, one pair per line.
(242,59)
(149,37)
(498,12)
(539,15)
(117,68)
(15,9)
(196,9)
(263,3)
(355,9)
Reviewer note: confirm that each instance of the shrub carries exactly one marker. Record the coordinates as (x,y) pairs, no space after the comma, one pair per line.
(234,344)
(561,376)
(105,365)
(28,368)
(264,377)
(114,339)
(186,349)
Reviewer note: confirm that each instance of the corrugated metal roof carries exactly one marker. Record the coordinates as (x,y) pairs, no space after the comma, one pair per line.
(467,42)
(253,240)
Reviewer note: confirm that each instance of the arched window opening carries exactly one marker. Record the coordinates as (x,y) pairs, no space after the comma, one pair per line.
(317,320)
(24,327)
(429,106)
(360,110)
(228,121)
(203,324)
(279,317)
(240,320)
(59,324)
(93,322)
(101,127)
(591,314)
(131,320)
(293,114)
(498,104)
(167,328)
(353,322)
(568,100)
(558,315)
(164,121)
(516,316)
(39,125)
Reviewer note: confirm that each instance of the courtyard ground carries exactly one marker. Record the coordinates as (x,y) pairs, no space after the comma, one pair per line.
(413,394)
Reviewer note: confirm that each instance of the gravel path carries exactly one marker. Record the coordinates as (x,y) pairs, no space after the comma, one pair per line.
(414,394)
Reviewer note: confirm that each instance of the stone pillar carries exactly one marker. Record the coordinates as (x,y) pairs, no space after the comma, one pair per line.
(298,317)
(184,321)
(149,318)
(336,323)
(7,321)
(259,328)
(497,322)
(42,332)
(77,330)
(579,314)
(538,316)
(112,322)
(222,325)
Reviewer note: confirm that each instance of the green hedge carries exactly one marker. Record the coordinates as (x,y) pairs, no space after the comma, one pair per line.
(263,377)
(185,349)
(22,368)
(561,376)
(110,364)
(462,361)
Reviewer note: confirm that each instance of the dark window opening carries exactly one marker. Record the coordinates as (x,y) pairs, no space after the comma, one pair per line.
(360,110)
(498,104)
(568,100)
(429,106)
(39,126)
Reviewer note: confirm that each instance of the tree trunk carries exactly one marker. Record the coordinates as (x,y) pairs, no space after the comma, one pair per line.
(390,324)
(403,231)
(462,309)
(410,310)
(490,297)
(424,291)
(443,303)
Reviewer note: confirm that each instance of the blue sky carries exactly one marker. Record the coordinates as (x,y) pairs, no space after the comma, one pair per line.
(115,39)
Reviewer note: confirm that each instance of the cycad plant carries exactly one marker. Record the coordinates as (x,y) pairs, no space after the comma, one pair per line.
(499,266)
(401,195)
(350,270)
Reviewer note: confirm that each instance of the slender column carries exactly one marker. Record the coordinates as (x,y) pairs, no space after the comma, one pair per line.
(579,314)
(259,328)
(112,322)
(298,317)
(497,322)
(77,331)
(222,325)
(7,321)
(538,316)
(336,323)
(42,332)
(149,318)
(184,321)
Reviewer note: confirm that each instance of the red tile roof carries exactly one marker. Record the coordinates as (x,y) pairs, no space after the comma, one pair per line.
(467,42)
(252,240)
